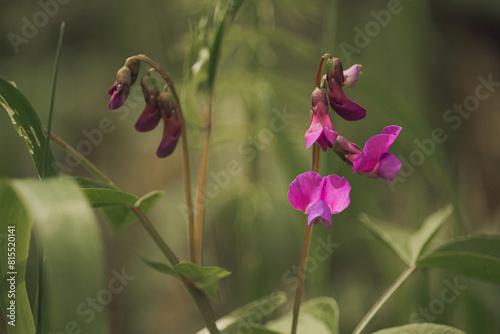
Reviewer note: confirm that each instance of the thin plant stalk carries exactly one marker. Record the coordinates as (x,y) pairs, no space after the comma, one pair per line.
(52,98)
(202,178)
(198,295)
(185,160)
(383,299)
(305,249)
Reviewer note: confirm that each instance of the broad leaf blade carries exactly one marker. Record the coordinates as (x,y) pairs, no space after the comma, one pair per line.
(425,328)
(13,213)
(104,197)
(397,239)
(421,238)
(28,125)
(477,257)
(245,317)
(70,239)
(205,278)
(319,316)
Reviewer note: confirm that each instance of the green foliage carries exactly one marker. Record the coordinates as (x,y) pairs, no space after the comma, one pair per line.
(161,267)
(67,231)
(407,245)
(116,204)
(319,315)
(425,328)
(205,278)
(477,256)
(28,125)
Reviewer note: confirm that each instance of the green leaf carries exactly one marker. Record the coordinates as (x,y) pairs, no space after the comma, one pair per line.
(425,328)
(408,246)
(477,256)
(244,318)
(205,278)
(161,267)
(121,217)
(28,125)
(116,204)
(68,233)
(319,316)
(13,213)
(104,197)
(421,238)
(396,238)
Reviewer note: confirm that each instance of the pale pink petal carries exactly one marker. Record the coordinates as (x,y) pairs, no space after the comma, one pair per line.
(305,190)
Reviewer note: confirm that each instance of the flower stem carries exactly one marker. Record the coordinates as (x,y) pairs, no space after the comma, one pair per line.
(185,161)
(202,176)
(198,295)
(383,299)
(305,249)
(319,75)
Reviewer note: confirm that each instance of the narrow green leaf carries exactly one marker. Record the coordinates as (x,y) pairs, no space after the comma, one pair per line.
(407,245)
(205,278)
(69,236)
(161,267)
(28,125)
(397,239)
(13,213)
(421,238)
(84,182)
(477,256)
(425,328)
(104,197)
(244,318)
(319,316)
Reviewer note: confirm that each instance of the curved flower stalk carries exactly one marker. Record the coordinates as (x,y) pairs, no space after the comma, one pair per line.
(374,160)
(343,106)
(319,197)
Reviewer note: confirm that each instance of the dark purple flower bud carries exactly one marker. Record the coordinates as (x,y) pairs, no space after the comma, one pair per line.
(346,150)
(171,134)
(151,115)
(343,106)
(125,77)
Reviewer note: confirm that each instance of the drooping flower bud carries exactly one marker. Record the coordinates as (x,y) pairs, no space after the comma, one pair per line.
(346,150)
(321,129)
(172,129)
(151,115)
(351,76)
(125,77)
(343,106)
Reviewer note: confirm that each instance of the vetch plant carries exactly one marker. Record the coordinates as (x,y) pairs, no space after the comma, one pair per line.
(57,211)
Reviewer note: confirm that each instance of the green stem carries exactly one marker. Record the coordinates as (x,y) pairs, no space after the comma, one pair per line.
(305,250)
(198,295)
(83,161)
(319,74)
(52,98)
(383,299)
(202,176)
(185,160)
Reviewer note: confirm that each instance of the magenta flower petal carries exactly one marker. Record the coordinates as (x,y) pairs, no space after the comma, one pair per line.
(119,94)
(305,190)
(171,134)
(344,107)
(388,167)
(336,193)
(149,118)
(321,129)
(319,212)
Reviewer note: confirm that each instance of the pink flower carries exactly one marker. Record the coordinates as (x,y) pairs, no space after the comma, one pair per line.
(319,197)
(321,129)
(344,107)
(374,160)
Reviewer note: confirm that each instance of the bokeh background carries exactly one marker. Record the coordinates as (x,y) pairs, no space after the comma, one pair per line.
(418,64)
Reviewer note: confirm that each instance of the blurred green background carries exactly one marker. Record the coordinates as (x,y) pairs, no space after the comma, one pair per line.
(418,62)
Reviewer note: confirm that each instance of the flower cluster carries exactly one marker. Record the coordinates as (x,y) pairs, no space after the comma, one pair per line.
(319,197)
(159,105)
